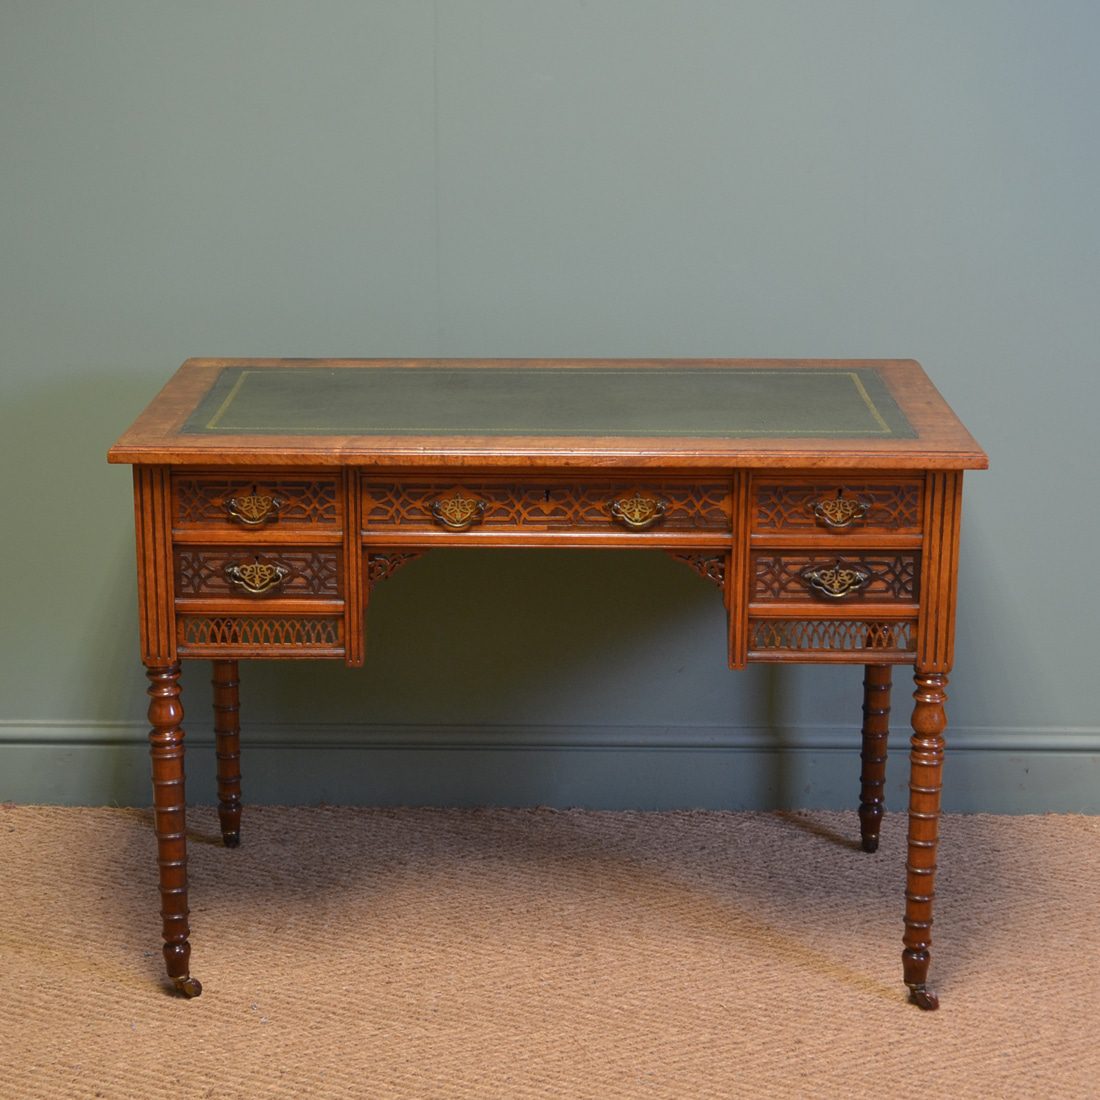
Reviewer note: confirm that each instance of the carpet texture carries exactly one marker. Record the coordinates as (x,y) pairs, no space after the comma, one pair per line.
(537,953)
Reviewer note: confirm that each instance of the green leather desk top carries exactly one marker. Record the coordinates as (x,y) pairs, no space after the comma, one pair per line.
(580,413)
(706,402)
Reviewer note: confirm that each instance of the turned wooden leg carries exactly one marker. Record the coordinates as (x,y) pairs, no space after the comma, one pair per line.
(876,730)
(170,817)
(925,778)
(227,736)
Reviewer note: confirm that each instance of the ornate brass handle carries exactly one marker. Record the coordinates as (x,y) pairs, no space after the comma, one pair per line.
(835,581)
(256,577)
(639,512)
(253,509)
(839,512)
(458,512)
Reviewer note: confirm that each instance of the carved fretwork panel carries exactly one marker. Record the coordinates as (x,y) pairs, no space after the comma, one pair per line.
(831,635)
(201,501)
(201,571)
(789,505)
(710,566)
(216,633)
(890,576)
(546,506)
(381,567)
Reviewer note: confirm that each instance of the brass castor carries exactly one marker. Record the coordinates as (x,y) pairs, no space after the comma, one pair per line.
(869,843)
(923,997)
(231,840)
(188,986)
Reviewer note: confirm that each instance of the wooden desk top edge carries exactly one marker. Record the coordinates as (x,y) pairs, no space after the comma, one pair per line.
(941,442)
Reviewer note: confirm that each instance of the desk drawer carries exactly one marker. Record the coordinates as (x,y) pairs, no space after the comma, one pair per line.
(612,506)
(260,635)
(258,573)
(836,505)
(256,502)
(802,638)
(854,576)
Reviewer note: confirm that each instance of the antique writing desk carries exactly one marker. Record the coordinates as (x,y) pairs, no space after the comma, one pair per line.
(821,497)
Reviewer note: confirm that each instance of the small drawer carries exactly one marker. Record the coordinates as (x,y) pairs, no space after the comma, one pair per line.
(256,503)
(836,505)
(807,639)
(871,576)
(259,573)
(611,506)
(247,635)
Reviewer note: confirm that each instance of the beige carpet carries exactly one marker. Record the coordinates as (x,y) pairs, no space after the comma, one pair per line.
(532,953)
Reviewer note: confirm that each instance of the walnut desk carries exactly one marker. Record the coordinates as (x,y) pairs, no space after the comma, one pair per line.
(822,498)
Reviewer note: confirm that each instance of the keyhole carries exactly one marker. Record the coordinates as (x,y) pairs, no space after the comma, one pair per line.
(546,495)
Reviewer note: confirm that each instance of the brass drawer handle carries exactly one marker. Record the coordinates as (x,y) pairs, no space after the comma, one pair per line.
(256,577)
(253,509)
(458,512)
(839,512)
(835,581)
(638,512)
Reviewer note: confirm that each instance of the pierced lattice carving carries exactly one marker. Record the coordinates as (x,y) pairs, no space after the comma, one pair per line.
(791,506)
(381,567)
(312,502)
(711,567)
(388,505)
(844,635)
(890,576)
(201,572)
(202,632)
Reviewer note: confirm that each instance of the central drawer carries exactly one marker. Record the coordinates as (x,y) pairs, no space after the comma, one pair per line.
(408,505)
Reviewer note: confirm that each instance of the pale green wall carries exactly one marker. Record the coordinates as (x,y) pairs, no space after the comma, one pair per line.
(550,178)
